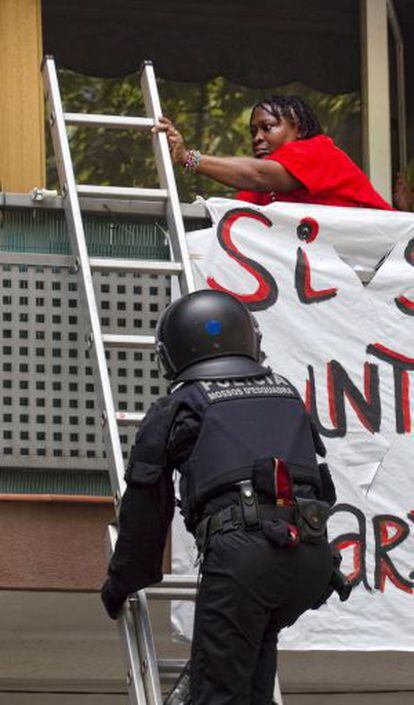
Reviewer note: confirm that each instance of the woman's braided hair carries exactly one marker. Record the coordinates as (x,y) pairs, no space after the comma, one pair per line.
(294,109)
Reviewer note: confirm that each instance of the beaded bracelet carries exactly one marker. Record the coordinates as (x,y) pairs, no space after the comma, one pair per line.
(193,160)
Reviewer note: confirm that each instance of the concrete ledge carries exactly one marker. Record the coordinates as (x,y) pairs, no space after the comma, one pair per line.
(60,648)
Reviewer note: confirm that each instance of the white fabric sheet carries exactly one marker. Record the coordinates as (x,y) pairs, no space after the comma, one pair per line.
(369,338)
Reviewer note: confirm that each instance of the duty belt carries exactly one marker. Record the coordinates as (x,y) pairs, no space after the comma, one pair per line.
(234,517)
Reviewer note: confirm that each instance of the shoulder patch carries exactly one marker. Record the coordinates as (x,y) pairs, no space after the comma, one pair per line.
(271,385)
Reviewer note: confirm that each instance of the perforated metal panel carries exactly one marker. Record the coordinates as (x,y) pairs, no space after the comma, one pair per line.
(47,405)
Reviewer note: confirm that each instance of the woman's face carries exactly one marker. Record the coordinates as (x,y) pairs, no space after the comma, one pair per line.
(269,132)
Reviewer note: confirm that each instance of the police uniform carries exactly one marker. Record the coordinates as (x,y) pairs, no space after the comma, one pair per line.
(246,451)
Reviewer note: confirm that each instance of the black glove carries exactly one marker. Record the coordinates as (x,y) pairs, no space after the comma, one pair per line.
(330,588)
(112,599)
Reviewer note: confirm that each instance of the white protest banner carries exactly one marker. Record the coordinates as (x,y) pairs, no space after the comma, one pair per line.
(349,349)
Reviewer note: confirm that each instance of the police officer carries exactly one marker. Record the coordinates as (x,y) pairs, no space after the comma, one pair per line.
(252,494)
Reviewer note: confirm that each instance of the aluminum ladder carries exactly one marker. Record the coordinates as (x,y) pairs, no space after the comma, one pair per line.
(142,679)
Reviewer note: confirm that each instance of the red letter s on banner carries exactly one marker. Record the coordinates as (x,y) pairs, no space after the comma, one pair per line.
(267,292)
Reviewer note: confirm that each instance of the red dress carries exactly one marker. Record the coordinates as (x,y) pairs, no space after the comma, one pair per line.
(328,177)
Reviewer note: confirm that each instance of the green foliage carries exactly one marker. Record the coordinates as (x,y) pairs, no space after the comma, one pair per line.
(212,116)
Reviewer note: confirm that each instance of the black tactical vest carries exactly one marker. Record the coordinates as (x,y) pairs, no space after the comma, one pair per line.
(242,421)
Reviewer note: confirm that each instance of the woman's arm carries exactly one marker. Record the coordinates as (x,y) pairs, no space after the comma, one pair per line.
(239,172)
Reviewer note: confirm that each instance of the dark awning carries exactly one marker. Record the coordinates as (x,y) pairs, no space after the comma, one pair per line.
(267,44)
(261,45)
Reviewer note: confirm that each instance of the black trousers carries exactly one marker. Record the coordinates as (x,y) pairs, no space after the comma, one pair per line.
(249,591)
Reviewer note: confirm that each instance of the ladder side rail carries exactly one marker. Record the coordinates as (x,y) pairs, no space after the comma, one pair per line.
(167,180)
(87,294)
(146,646)
(130,644)
(186,282)
(127,622)
(136,634)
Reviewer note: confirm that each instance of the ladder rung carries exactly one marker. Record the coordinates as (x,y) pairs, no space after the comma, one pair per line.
(115,122)
(135,265)
(146,194)
(131,418)
(128,341)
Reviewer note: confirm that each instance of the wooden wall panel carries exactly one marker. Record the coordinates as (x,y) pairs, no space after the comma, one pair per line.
(22,143)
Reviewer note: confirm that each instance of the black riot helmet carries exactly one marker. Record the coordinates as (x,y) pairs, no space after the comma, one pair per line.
(208,335)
